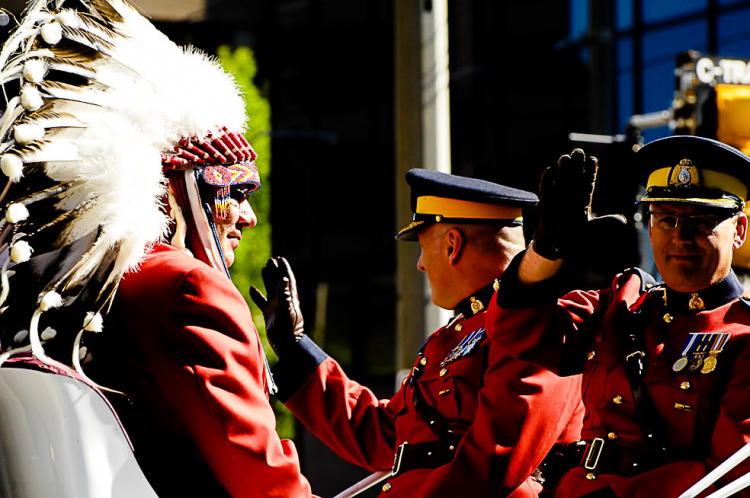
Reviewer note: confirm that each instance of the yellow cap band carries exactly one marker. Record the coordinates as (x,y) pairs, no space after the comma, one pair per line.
(455,208)
(710,179)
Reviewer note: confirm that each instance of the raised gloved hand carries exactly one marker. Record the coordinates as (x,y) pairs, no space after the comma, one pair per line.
(565,193)
(281,311)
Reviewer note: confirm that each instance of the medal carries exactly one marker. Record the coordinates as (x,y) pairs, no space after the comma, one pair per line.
(695,364)
(700,352)
(464,347)
(683,362)
(709,364)
(680,364)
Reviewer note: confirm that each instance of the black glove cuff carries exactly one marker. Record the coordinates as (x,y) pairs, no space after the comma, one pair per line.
(513,295)
(297,364)
(545,249)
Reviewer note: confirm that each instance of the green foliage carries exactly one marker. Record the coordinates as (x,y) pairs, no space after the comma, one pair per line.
(255,247)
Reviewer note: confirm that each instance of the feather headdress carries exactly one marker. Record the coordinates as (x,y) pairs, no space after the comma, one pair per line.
(98,103)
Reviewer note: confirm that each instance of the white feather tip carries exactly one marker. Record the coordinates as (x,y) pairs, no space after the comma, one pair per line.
(52,33)
(67,18)
(93,322)
(20,252)
(50,300)
(48,333)
(31,100)
(21,336)
(34,71)
(12,166)
(16,212)
(26,133)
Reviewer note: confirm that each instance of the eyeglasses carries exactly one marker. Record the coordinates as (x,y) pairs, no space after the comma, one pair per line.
(240,192)
(699,223)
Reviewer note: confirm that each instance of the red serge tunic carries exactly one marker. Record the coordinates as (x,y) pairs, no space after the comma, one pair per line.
(181,342)
(705,417)
(509,413)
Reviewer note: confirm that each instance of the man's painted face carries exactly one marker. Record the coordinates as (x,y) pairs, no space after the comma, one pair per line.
(693,245)
(239,215)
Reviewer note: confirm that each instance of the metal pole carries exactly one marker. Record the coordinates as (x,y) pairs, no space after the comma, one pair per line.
(422,140)
(730,463)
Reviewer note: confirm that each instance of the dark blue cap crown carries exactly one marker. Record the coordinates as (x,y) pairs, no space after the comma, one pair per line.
(440,197)
(693,170)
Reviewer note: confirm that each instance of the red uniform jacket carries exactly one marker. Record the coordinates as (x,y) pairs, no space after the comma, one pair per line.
(181,342)
(509,412)
(705,417)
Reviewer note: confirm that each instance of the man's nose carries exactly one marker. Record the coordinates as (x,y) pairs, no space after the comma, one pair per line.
(247,216)
(684,232)
(420,266)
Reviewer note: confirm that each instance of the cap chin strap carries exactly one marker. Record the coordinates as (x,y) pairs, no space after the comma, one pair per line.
(205,241)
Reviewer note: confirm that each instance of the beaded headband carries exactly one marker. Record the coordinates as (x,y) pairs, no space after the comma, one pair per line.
(226,159)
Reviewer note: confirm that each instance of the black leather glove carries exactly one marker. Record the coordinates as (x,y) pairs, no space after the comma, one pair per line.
(281,311)
(565,193)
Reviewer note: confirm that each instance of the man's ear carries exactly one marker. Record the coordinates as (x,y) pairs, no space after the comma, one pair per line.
(741,231)
(454,245)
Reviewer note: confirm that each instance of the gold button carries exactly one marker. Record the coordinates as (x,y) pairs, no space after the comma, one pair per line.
(443,372)
(423,361)
(668,318)
(438,218)
(387,487)
(592,354)
(451,447)
(617,399)
(612,435)
(459,327)
(685,385)
(590,476)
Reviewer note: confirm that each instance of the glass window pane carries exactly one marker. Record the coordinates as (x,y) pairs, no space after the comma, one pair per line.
(659,51)
(669,9)
(624,82)
(579,18)
(583,56)
(624,15)
(734,33)
(625,54)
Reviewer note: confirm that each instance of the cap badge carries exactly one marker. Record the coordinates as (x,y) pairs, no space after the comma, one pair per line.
(685,174)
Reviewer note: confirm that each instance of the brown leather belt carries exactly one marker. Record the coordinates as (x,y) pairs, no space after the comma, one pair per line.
(607,457)
(421,456)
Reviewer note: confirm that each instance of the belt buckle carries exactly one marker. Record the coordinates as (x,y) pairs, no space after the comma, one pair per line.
(593,454)
(397,460)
